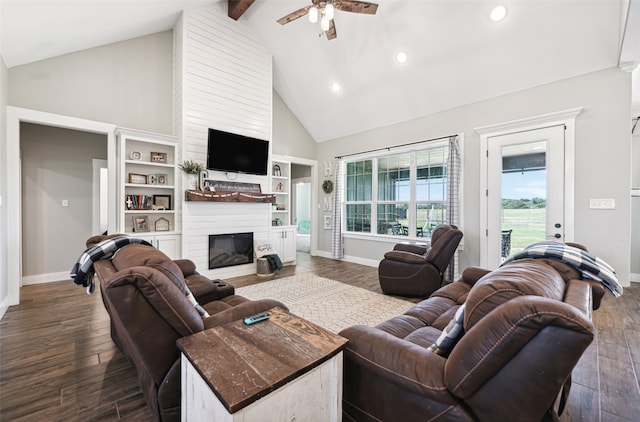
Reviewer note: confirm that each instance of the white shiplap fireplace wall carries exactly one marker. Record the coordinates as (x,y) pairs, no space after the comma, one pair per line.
(223,81)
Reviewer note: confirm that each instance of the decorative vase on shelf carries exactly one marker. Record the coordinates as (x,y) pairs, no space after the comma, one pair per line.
(192,182)
(192,169)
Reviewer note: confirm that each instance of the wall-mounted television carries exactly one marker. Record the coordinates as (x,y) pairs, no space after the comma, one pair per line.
(237,153)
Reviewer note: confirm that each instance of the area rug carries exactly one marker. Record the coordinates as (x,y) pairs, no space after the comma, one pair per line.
(328,303)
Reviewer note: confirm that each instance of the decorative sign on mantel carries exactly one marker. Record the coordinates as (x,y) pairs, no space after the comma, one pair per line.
(220,185)
(228,196)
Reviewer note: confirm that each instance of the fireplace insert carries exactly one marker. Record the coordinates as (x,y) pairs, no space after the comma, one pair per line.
(226,250)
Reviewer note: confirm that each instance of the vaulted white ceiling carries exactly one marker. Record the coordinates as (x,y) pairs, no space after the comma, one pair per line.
(457,55)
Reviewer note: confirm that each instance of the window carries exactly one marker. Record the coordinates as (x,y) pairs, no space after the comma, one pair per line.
(407,196)
(358,194)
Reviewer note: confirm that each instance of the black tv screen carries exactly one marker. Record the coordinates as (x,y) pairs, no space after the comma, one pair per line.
(237,153)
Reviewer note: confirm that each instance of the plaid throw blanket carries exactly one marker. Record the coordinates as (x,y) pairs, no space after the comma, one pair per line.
(589,265)
(82,271)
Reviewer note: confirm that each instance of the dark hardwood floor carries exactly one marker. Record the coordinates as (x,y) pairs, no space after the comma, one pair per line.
(58,363)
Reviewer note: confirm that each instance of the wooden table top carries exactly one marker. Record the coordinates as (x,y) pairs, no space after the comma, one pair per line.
(243,363)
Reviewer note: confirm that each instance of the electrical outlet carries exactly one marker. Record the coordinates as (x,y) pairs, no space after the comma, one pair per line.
(602,204)
(65,202)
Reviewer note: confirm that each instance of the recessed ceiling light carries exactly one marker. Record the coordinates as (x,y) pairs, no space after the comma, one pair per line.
(498,13)
(402,57)
(335,87)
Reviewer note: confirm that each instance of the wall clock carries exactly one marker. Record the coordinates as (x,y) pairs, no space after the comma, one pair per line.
(327,186)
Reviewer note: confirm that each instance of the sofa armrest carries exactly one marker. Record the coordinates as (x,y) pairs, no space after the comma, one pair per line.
(206,290)
(472,274)
(406,247)
(187,266)
(411,367)
(406,257)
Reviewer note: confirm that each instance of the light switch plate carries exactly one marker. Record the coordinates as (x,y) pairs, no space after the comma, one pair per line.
(602,204)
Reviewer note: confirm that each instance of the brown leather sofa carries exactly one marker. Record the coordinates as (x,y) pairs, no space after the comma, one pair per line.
(413,270)
(525,327)
(144,293)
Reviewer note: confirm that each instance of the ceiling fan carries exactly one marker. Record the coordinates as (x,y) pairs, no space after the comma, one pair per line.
(323,10)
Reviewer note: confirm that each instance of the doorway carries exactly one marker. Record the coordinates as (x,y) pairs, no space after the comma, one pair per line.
(525,197)
(301,206)
(526,159)
(15,117)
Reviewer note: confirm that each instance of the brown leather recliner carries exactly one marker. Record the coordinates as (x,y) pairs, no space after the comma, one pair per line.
(526,326)
(412,270)
(144,293)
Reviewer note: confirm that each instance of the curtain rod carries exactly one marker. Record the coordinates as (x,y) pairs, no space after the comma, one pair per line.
(339,157)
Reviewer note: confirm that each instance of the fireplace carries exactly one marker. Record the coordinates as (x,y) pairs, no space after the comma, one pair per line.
(226,250)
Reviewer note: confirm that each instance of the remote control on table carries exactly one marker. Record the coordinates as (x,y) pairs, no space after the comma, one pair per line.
(256,318)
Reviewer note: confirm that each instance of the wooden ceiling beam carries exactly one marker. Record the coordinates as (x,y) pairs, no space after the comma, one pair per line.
(238,7)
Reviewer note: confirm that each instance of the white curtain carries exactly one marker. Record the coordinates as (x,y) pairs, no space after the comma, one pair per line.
(453,196)
(337,251)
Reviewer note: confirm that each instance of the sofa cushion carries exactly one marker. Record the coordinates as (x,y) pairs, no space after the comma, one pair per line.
(519,278)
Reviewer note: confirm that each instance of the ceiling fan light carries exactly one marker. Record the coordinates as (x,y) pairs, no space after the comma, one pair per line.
(329,11)
(313,14)
(324,23)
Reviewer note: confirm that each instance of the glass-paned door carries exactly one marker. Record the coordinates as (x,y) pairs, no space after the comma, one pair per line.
(525,191)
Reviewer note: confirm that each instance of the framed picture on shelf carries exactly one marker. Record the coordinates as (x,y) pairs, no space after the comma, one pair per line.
(162,202)
(140,223)
(159,157)
(161,225)
(161,179)
(138,179)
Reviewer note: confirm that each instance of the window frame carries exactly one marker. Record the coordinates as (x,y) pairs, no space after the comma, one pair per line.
(373,234)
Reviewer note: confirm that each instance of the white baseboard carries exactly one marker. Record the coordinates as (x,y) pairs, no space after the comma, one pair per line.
(45,278)
(4,306)
(352,259)
(362,261)
(635,277)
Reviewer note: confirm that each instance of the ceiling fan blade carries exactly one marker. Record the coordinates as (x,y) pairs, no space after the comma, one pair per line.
(294,15)
(356,6)
(331,32)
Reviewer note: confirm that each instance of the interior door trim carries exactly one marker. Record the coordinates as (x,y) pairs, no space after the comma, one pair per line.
(566,117)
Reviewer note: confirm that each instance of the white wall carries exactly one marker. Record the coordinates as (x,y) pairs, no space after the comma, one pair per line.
(129,84)
(56,166)
(290,138)
(602,159)
(3,189)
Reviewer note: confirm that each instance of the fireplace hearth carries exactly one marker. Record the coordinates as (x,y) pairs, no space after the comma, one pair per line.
(226,250)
